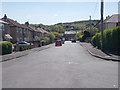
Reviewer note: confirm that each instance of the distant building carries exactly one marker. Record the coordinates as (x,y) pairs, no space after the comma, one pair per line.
(69,28)
(69,35)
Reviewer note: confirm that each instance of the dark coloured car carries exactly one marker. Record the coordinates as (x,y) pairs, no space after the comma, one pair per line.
(73,40)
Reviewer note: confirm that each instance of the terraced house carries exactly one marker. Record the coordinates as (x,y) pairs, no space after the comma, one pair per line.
(4,29)
(21,32)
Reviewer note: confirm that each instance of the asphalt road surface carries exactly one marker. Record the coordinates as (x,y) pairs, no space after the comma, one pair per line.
(68,66)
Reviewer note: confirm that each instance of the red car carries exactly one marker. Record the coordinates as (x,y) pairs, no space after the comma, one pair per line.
(58,43)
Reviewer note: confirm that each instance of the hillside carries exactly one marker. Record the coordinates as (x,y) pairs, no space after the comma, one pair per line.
(78,25)
(62,27)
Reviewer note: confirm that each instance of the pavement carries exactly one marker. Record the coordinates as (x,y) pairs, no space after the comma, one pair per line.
(22,53)
(98,53)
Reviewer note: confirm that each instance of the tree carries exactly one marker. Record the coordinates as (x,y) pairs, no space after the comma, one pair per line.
(57,35)
(51,36)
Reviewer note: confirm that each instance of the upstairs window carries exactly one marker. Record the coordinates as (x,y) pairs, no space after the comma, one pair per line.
(1,26)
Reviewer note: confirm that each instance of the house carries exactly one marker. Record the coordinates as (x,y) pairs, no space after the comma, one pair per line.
(69,35)
(36,34)
(4,31)
(20,32)
(28,33)
(111,22)
(15,30)
(44,32)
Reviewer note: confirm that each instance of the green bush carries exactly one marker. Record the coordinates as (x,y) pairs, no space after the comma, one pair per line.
(116,40)
(81,38)
(108,40)
(51,37)
(45,41)
(111,40)
(96,40)
(57,35)
(24,47)
(5,47)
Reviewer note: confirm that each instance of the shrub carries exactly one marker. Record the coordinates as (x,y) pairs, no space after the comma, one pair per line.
(116,40)
(5,47)
(111,40)
(51,37)
(57,35)
(81,37)
(108,40)
(96,40)
(24,47)
(84,36)
(45,40)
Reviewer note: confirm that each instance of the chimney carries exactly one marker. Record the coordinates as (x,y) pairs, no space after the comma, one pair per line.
(108,17)
(5,16)
(27,23)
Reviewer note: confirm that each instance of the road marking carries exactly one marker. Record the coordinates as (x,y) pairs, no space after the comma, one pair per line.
(72,63)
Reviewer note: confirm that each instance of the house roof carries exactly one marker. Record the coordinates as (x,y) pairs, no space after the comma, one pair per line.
(12,22)
(28,27)
(32,28)
(42,30)
(70,32)
(114,18)
(1,21)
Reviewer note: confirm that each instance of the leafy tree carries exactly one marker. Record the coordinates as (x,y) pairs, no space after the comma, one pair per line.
(57,35)
(51,37)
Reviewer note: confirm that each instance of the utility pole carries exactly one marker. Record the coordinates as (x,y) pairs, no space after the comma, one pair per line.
(90,28)
(102,38)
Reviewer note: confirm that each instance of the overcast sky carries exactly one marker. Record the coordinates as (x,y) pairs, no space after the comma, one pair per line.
(56,12)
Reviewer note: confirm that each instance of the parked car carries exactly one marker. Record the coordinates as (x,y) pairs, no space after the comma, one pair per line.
(73,40)
(58,43)
(23,45)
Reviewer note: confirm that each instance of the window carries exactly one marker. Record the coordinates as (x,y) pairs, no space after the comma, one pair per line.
(17,30)
(20,30)
(1,26)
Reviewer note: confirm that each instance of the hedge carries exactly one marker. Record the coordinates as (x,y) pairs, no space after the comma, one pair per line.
(111,40)
(5,47)
(96,40)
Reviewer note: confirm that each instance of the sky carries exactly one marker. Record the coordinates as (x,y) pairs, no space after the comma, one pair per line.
(49,13)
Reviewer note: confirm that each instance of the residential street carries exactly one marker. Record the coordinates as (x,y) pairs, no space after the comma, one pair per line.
(67,66)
